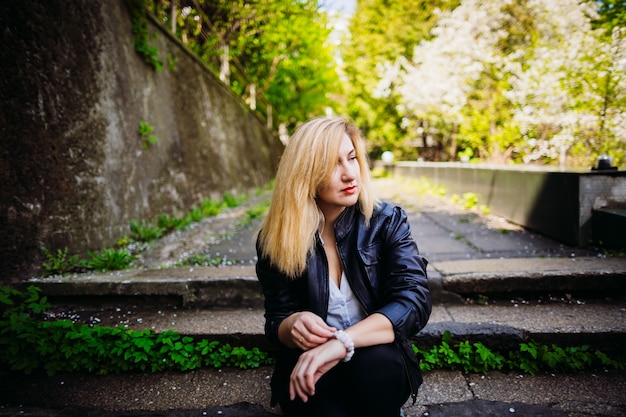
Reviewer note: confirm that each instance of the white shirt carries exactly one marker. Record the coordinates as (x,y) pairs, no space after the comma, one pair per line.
(344,309)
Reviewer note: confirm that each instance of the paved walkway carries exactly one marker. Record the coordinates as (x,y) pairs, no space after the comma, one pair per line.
(492,281)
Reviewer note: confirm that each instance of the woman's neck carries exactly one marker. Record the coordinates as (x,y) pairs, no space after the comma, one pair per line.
(331,214)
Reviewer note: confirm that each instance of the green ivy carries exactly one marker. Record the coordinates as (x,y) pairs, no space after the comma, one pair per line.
(110,259)
(30,344)
(122,257)
(145,232)
(145,131)
(531,358)
(149,53)
(60,263)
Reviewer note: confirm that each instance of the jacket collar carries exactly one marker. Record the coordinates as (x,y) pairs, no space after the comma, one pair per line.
(344,222)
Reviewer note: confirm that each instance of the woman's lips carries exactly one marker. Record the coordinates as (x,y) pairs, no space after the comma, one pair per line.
(350,190)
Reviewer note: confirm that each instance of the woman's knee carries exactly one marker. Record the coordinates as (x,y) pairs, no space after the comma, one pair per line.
(379,363)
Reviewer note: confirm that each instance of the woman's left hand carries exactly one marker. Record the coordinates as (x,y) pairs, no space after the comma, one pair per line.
(311,365)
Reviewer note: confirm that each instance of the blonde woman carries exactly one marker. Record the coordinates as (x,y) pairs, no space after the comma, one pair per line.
(344,284)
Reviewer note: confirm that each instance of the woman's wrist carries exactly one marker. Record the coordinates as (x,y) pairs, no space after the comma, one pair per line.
(347,343)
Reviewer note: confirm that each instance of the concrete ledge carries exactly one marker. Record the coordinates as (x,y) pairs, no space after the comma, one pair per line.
(238,287)
(499,325)
(487,276)
(554,202)
(206,287)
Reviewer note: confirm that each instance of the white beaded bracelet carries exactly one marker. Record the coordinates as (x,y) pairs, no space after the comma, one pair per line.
(347,343)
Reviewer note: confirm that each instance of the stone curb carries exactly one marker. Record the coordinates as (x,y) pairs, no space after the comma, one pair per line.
(237,286)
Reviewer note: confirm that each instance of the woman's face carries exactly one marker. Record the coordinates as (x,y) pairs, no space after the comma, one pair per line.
(343,189)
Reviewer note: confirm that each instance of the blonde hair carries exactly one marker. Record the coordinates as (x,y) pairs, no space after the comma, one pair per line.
(287,234)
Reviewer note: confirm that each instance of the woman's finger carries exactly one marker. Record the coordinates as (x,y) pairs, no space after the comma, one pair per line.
(298,384)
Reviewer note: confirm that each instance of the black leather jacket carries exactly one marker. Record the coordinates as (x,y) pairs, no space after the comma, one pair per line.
(385,271)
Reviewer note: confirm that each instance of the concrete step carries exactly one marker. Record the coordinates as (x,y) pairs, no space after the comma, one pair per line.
(237,286)
(498,302)
(245,393)
(498,325)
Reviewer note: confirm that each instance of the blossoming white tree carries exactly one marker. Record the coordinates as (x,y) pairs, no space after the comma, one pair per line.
(517,80)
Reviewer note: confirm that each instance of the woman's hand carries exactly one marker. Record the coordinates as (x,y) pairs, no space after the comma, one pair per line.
(304,330)
(311,366)
(317,360)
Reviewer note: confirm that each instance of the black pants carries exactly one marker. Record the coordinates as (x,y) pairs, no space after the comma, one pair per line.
(373,383)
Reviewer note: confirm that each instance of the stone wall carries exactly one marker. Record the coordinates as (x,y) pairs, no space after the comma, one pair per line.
(557,203)
(73,167)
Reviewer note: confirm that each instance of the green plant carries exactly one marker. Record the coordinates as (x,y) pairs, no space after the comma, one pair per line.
(144,232)
(380,172)
(470,200)
(172,63)
(168,222)
(531,358)
(30,344)
(211,207)
(145,131)
(149,53)
(60,263)
(110,259)
(230,201)
(196,214)
(207,208)
(254,213)
(201,260)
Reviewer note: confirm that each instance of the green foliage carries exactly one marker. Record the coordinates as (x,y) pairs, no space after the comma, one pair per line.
(380,172)
(170,223)
(278,52)
(144,232)
(423,186)
(210,207)
(531,358)
(546,87)
(612,14)
(207,208)
(110,259)
(60,264)
(172,63)
(230,200)
(30,344)
(106,260)
(123,258)
(254,213)
(374,41)
(149,53)
(145,131)
(201,260)
(470,200)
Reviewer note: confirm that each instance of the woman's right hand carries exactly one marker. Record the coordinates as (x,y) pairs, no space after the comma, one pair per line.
(304,330)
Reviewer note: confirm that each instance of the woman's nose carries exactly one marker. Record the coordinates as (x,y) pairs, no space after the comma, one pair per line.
(348,172)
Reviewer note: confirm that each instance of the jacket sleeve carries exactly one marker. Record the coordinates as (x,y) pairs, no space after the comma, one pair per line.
(280,302)
(403,291)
